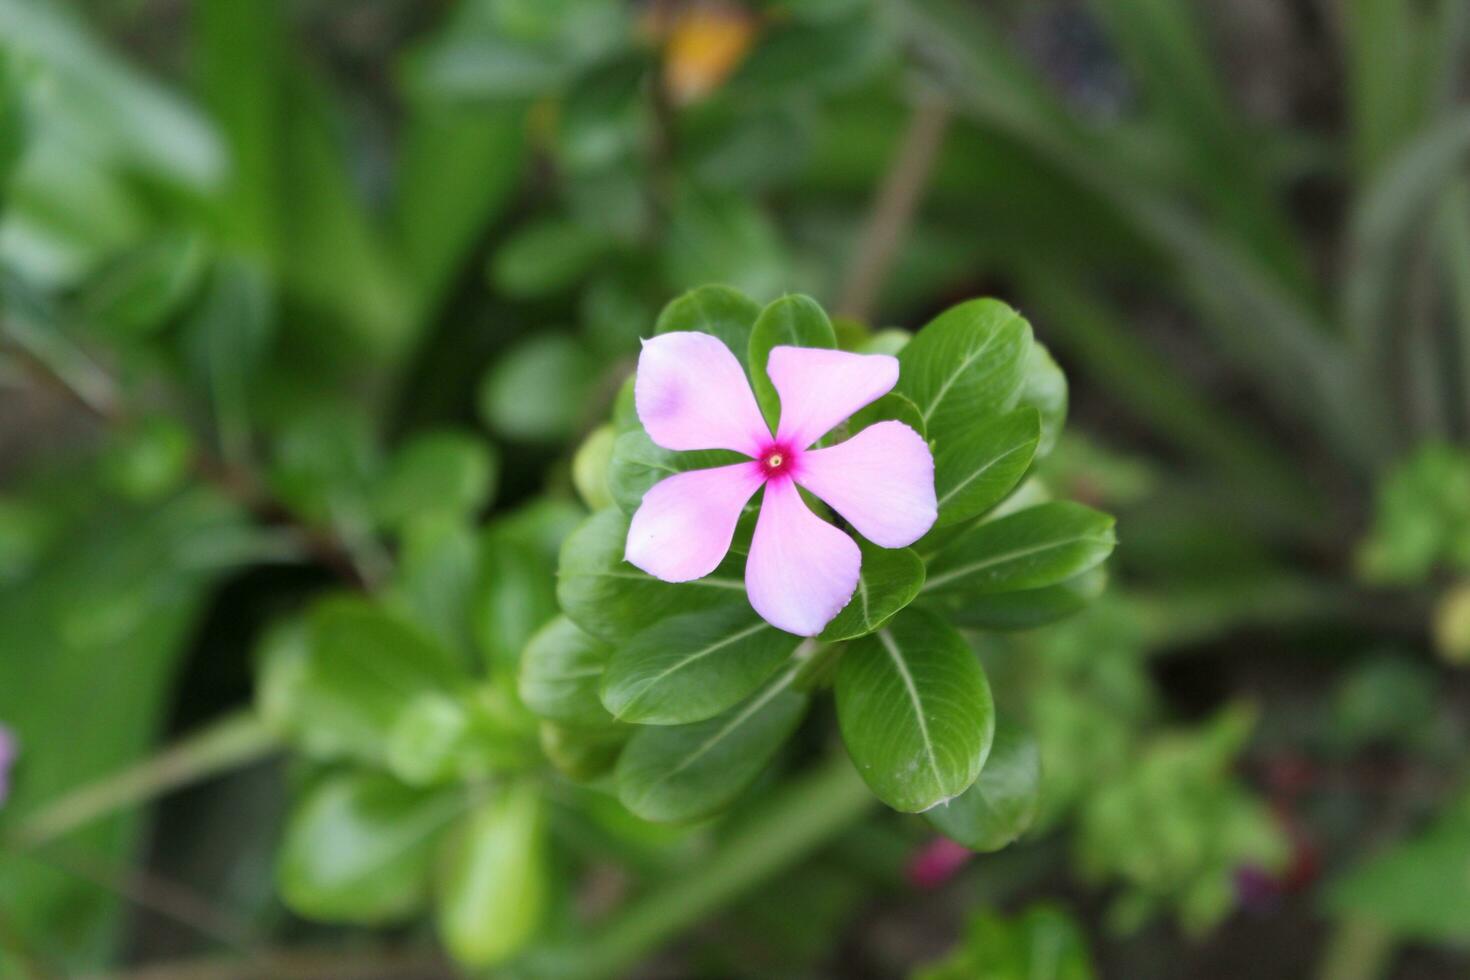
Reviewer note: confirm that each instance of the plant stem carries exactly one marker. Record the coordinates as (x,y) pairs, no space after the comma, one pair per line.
(1358,949)
(893,209)
(235,740)
(800,818)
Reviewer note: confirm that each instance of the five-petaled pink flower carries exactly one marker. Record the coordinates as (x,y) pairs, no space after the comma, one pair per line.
(692,394)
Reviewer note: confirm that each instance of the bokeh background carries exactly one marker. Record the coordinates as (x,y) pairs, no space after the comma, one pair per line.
(256,255)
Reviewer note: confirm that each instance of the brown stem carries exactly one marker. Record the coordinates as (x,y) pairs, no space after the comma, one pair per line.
(893,209)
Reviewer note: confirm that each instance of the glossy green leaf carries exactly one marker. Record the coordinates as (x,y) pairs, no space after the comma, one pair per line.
(1030,549)
(694,665)
(492,884)
(976,468)
(1029,608)
(611,599)
(439,472)
(717,310)
(899,408)
(1045,390)
(1002,802)
(561,671)
(359,848)
(915,711)
(889,579)
(968,363)
(791,321)
(638,463)
(685,772)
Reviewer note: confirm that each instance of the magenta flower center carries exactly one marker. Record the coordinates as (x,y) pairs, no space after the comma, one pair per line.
(777,459)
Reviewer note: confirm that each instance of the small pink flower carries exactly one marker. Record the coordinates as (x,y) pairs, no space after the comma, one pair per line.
(937,862)
(692,394)
(8,751)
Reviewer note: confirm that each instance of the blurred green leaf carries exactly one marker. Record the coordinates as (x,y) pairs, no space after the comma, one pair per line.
(1044,943)
(138,293)
(692,666)
(1030,549)
(715,237)
(149,459)
(359,848)
(975,469)
(492,884)
(681,773)
(717,310)
(561,672)
(888,580)
(546,256)
(591,467)
(1001,804)
(791,321)
(915,711)
(583,754)
(1046,391)
(537,392)
(449,472)
(364,670)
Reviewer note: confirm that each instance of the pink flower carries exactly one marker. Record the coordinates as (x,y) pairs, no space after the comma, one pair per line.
(692,394)
(8,751)
(937,862)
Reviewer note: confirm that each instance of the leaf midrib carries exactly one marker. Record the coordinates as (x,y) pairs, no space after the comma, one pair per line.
(977,474)
(1011,556)
(685,661)
(885,638)
(974,355)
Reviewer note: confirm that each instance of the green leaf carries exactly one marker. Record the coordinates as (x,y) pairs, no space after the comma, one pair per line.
(1030,549)
(791,321)
(693,666)
(976,468)
(423,744)
(725,236)
(611,599)
(685,772)
(138,293)
(451,473)
(365,668)
(968,363)
(492,883)
(591,465)
(549,255)
(915,711)
(515,595)
(1045,390)
(538,391)
(717,310)
(561,671)
(583,754)
(894,406)
(638,463)
(889,580)
(359,848)
(1030,608)
(1003,801)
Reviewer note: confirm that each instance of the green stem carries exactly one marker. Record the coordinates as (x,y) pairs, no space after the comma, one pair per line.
(233,741)
(1358,949)
(793,824)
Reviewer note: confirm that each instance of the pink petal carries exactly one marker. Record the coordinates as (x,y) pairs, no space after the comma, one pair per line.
(683,528)
(881,480)
(819,388)
(691,393)
(801,570)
